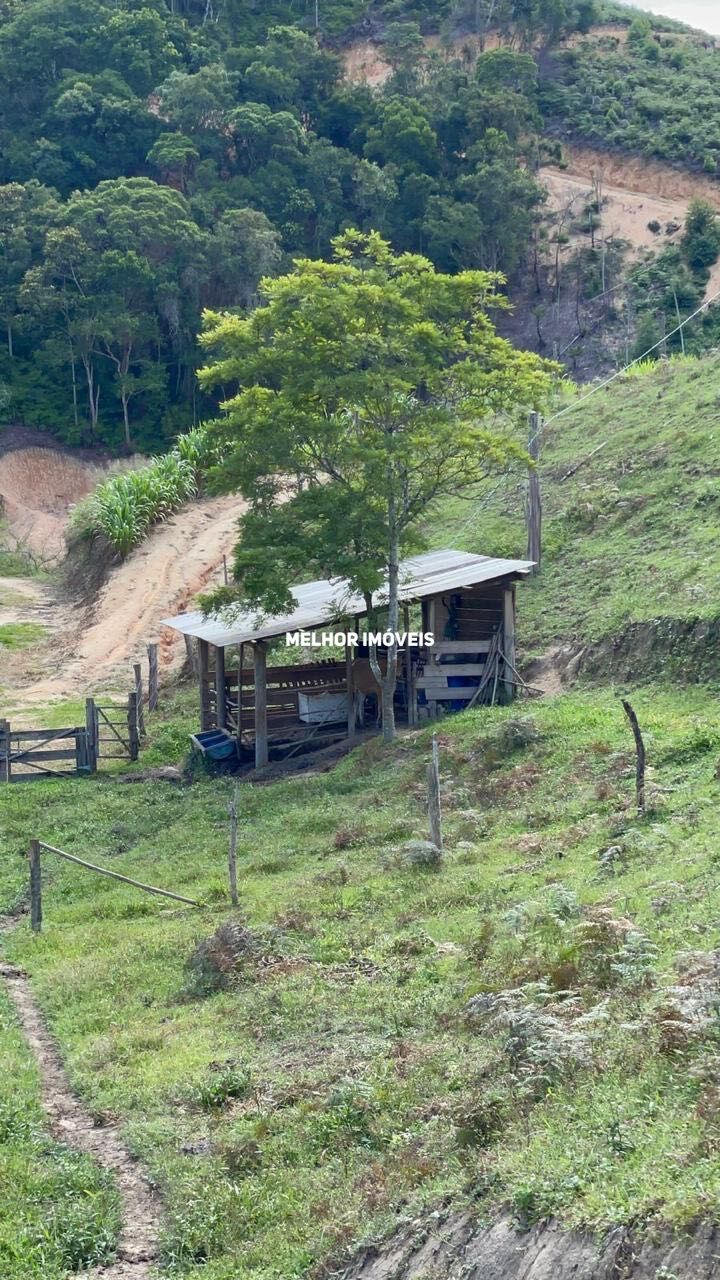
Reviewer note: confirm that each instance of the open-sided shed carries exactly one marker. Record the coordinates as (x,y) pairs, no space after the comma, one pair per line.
(467,603)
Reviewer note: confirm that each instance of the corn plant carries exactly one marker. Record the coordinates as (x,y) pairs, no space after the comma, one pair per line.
(124,507)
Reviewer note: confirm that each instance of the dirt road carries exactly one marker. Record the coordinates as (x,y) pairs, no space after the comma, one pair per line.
(94,654)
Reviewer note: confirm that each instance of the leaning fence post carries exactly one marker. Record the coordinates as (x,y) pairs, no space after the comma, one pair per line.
(152,652)
(35,887)
(132,719)
(232,853)
(434,812)
(639,757)
(4,750)
(137,671)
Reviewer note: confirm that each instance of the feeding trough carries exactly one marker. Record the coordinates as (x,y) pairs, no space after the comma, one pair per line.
(218,744)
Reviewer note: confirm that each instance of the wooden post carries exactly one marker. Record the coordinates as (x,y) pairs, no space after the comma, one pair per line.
(508,644)
(431,619)
(35,887)
(91,733)
(639,757)
(225,570)
(220,688)
(409,691)
(534,502)
(351,712)
(152,653)
(434,812)
(232,852)
(241,659)
(4,750)
(137,672)
(132,719)
(204,680)
(192,657)
(261,731)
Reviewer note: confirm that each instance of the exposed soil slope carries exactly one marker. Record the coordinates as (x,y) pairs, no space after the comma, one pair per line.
(38,486)
(458,1246)
(72,1124)
(365,64)
(162,577)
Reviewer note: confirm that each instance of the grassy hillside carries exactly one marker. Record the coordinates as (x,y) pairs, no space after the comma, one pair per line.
(632,536)
(386,1034)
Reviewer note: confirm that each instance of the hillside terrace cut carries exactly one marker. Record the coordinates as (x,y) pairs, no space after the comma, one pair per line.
(467,603)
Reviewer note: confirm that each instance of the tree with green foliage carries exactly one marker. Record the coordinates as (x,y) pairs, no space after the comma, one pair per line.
(368,388)
(701,240)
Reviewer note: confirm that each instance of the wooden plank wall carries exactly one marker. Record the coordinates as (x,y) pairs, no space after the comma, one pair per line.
(283,685)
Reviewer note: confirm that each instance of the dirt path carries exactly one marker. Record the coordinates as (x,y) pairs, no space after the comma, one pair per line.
(71,1124)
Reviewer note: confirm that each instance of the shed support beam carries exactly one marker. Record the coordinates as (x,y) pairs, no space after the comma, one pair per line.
(261,729)
(508,644)
(351,713)
(204,680)
(220,690)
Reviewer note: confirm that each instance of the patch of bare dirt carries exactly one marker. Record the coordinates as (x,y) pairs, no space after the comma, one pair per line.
(639,174)
(179,559)
(555,670)
(71,1124)
(38,486)
(365,64)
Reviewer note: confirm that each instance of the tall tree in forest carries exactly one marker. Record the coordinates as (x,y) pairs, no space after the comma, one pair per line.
(367,389)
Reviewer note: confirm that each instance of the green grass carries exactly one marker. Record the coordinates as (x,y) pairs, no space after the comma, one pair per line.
(20,635)
(58,1213)
(632,536)
(337,1081)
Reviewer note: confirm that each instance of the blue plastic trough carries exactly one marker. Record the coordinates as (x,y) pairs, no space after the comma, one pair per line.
(218,744)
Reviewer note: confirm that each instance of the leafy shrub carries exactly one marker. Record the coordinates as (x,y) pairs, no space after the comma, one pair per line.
(225,1081)
(479,1122)
(214,960)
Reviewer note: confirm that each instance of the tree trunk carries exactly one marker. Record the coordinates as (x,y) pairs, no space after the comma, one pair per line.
(390,680)
(74,386)
(126,418)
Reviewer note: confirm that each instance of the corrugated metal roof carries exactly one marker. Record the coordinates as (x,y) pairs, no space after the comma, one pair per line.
(323,601)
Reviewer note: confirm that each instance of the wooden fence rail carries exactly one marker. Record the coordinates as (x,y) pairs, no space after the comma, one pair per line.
(36,847)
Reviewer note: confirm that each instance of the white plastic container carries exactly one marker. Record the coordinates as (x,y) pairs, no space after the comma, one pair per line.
(322,708)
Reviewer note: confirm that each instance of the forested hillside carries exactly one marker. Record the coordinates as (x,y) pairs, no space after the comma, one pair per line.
(159,160)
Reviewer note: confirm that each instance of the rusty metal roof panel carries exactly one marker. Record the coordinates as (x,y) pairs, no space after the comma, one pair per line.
(326,600)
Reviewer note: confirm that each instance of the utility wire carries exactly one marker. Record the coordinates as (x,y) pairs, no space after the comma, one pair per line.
(569,408)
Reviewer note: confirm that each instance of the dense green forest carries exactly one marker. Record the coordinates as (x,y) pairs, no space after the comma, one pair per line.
(156,161)
(658,94)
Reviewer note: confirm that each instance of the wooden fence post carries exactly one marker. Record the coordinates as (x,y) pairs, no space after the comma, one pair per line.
(205,710)
(4,750)
(534,501)
(35,887)
(152,652)
(132,719)
(91,734)
(232,852)
(139,695)
(434,811)
(639,757)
